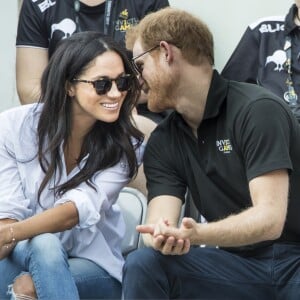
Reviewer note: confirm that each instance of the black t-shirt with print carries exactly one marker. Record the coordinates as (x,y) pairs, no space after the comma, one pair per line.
(43,23)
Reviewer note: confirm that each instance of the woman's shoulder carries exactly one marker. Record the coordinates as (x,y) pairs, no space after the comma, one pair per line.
(13,119)
(18,113)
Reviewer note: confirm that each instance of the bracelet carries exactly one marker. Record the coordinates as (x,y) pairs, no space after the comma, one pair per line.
(13,239)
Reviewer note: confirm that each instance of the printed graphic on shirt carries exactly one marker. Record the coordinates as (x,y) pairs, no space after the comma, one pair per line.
(224,146)
(45,4)
(66,26)
(123,23)
(271,28)
(278,58)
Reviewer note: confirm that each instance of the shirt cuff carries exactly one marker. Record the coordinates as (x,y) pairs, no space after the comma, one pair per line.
(87,212)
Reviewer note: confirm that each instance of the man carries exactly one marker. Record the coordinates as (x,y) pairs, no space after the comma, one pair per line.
(240,163)
(268,54)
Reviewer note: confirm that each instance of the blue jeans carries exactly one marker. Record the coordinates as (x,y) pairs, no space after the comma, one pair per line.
(211,273)
(56,276)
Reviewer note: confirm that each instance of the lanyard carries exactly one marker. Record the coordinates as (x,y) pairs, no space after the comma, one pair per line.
(290,96)
(108,5)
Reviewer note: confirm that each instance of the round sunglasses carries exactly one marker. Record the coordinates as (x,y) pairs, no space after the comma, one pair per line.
(103,85)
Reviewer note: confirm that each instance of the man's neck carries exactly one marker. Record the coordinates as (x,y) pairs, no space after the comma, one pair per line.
(297,17)
(92,2)
(192,104)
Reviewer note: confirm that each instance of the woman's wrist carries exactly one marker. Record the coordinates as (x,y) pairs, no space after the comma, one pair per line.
(12,240)
(7,236)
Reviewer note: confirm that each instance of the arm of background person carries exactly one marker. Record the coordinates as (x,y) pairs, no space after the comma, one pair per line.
(30,64)
(146,126)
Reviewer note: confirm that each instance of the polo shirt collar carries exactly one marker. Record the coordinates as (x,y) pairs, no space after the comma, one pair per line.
(289,23)
(216,96)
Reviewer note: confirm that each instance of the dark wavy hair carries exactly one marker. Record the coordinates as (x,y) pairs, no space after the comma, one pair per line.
(106,143)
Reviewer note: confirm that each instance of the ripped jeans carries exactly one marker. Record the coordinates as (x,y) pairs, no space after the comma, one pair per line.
(56,276)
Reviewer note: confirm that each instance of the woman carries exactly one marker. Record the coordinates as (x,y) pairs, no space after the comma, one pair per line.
(63,163)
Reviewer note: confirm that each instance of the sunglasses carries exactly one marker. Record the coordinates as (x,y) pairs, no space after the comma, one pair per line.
(139,67)
(103,85)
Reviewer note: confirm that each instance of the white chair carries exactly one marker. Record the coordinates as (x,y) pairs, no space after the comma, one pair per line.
(133,205)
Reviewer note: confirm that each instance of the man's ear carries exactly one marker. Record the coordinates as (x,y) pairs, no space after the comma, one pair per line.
(168,51)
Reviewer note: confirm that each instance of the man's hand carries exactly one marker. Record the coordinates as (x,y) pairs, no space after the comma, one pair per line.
(187,230)
(166,244)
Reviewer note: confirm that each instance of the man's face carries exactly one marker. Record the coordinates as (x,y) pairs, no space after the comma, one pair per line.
(156,78)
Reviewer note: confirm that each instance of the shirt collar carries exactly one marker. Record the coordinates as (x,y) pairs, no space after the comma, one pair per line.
(289,24)
(216,96)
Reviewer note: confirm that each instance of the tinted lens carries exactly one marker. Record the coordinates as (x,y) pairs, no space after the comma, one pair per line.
(123,83)
(102,86)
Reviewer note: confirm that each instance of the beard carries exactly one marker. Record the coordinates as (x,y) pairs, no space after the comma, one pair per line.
(161,92)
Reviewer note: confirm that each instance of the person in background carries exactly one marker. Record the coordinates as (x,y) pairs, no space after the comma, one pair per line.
(240,162)
(42,24)
(268,54)
(63,163)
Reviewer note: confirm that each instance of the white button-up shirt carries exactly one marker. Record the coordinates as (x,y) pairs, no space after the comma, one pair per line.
(101,227)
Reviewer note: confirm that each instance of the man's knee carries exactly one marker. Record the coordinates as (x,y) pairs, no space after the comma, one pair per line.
(142,259)
(23,287)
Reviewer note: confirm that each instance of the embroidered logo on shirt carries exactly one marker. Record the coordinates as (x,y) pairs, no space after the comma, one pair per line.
(66,26)
(278,58)
(124,14)
(124,22)
(224,146)
(268,28)
(45,4)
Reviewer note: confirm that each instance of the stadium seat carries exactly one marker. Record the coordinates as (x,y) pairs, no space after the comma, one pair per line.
(133,206)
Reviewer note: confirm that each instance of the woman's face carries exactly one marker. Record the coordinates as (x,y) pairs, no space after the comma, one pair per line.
(297,2)
(90,106)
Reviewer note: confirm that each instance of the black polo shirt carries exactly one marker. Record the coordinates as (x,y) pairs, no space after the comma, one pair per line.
(246,131)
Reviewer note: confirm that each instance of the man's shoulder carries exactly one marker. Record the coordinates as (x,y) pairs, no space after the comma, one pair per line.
(168,122)
(165,130)
(268,24)
(42,6)
(242,95)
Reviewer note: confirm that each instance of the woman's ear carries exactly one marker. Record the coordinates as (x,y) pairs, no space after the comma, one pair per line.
(70,89)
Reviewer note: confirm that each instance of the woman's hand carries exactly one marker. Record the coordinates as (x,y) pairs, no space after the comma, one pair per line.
(7,242)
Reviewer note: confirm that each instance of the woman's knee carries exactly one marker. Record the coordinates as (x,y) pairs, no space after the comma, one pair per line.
(47,248)
(8,271)
(23,287)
